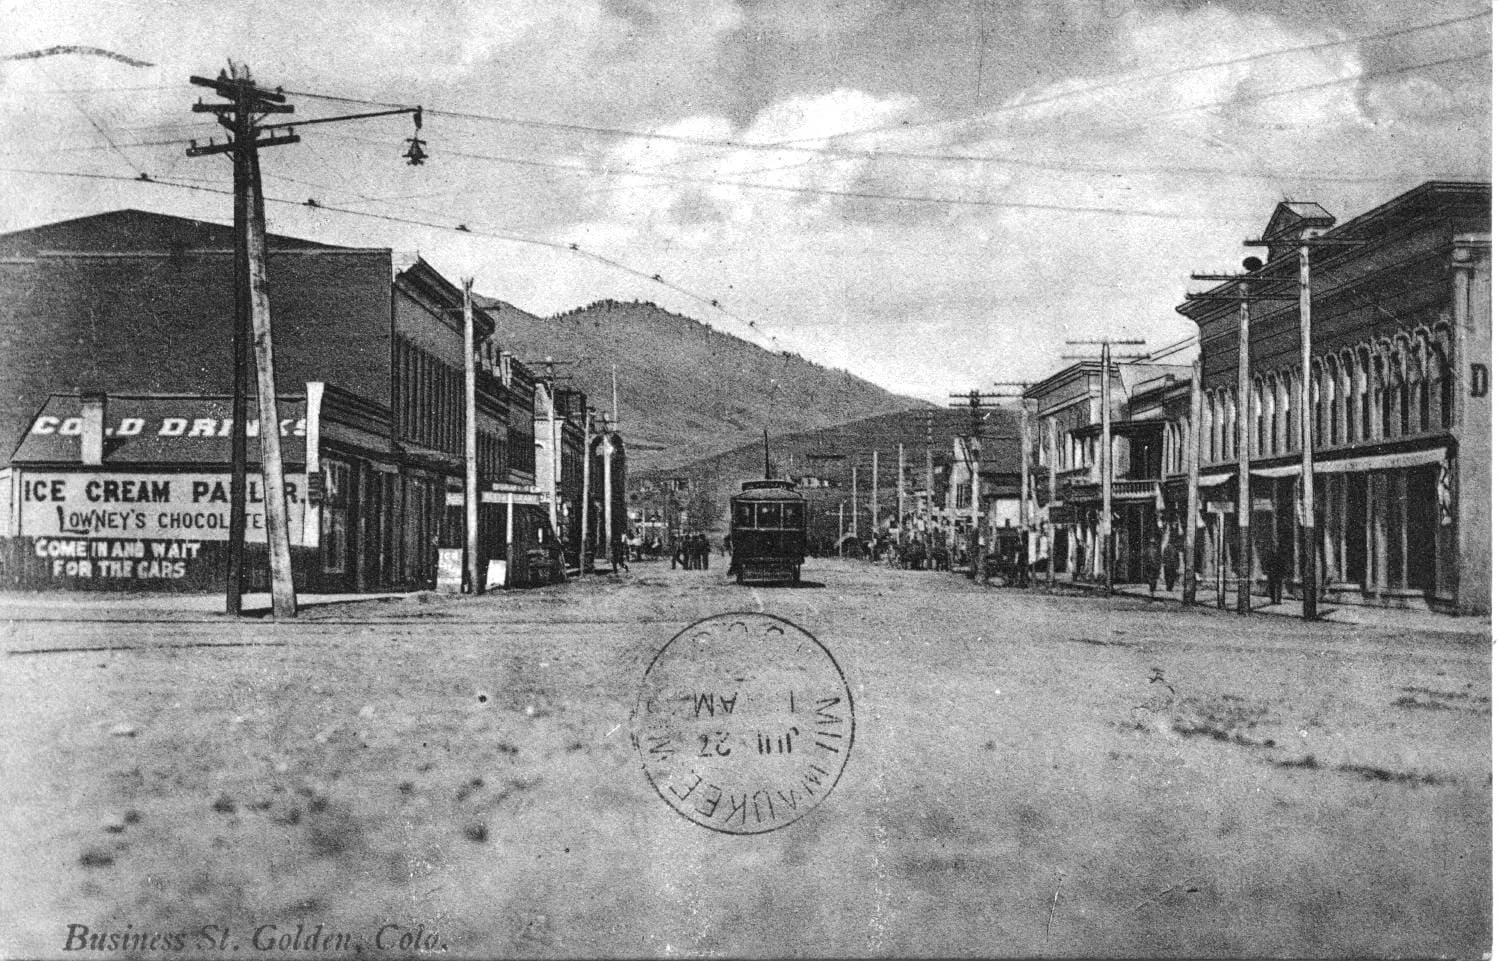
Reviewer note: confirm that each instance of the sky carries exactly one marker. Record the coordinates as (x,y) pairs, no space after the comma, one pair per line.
(934,195)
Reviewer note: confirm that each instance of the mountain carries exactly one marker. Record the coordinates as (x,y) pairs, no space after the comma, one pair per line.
(686,391)
(823,461)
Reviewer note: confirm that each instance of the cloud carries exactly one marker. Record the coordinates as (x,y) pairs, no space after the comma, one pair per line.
(1100,107)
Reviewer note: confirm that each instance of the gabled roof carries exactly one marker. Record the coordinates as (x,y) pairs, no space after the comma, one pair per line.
(135,231)
(1293,216)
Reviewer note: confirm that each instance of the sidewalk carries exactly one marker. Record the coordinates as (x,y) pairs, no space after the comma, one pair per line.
(64,606)
(1388,618)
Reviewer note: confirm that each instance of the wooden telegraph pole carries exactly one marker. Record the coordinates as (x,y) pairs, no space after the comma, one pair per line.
(1106,449)
(853,501)
(240,115)
(977,404)
(1194,468)
(252,313)
(476,577)
(931,484)
(585,548)
(900,494)
(1245,502)
(1025,477)
(1261,273)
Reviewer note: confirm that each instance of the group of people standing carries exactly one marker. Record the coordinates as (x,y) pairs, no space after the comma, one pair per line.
(691,552)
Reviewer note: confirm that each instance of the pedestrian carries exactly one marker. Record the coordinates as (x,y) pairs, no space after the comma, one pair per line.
(1275,572)
(619,554)
(1152,558)
(1171,563)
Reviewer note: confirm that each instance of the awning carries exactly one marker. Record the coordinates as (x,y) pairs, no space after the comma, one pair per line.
(1352,465)
(1212,480)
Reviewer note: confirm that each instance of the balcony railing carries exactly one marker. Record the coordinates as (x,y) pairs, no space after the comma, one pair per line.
(1084,490)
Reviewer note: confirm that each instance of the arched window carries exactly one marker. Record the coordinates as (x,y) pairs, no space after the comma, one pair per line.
(1230,426)
(1400,395)
(1318,407)
(1334,400)
(1283,422)
(1420,380)
(1348,369)
(1362,373)
(1441,380)
(1210,426)
(1262,411)
(1381,403)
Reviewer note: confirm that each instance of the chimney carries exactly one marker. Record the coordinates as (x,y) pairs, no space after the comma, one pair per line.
(91,440)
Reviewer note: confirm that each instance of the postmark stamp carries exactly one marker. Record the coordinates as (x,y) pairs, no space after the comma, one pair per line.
(744,723)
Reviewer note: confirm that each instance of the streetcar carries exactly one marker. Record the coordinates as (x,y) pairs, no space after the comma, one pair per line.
(768,532)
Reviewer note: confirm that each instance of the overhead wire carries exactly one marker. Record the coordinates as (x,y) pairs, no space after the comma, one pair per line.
(1163,74)
(572,248)
(784,146)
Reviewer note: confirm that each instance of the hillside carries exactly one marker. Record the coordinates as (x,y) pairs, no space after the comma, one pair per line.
(829,454)
(686,391)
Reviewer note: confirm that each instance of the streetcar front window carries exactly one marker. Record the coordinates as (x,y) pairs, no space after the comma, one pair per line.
(793,515)
(744,515)
(767,516)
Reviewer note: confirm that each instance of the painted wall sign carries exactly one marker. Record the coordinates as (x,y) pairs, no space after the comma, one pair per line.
(118,559)
(144,505)
(164,427)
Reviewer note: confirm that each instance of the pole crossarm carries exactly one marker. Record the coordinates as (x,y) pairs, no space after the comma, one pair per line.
(229,146)
(348,116)
(230,86)
(1236,298)
(1253,278)
(1308,242)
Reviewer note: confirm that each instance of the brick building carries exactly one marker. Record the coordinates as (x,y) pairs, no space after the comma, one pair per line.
(1147,406)
(1400,399)
(115,370)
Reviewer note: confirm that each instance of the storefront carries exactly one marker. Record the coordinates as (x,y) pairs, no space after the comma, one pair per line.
(132,492)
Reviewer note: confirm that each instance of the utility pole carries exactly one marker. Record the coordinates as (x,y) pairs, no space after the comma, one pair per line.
(900,494)
(1106,452)
(607,449)
(585,546)
(554,441)
(874,499)
(1258,272)
(476,577)
(977,404)
(1241,439)
(253,313)
(853,502)
(1194,468)
(931,485)
(1025,476)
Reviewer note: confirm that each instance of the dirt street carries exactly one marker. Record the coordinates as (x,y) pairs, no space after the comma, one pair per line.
(1032,775)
